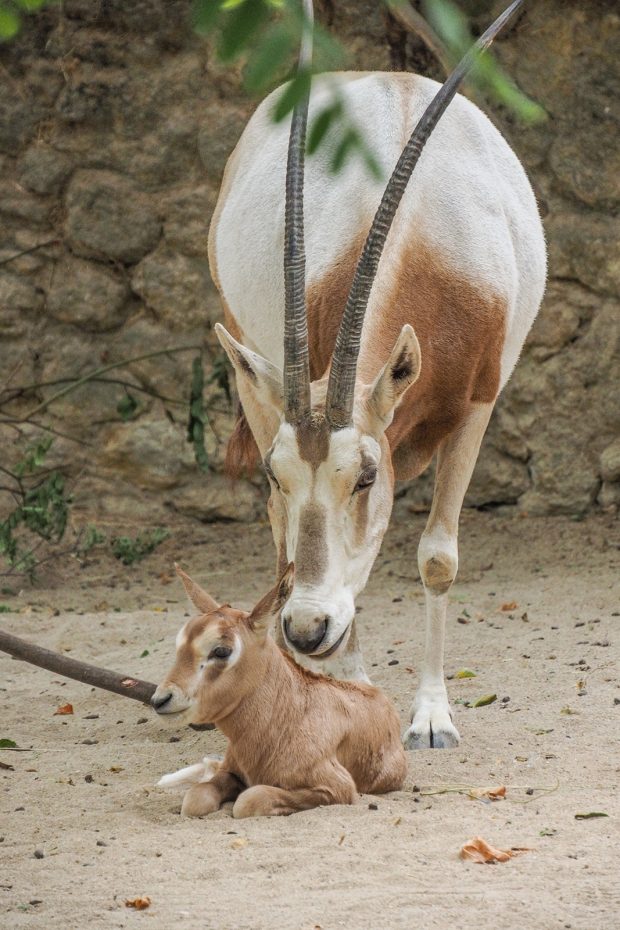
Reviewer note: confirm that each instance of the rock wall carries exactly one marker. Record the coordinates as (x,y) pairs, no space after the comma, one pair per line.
(115,125)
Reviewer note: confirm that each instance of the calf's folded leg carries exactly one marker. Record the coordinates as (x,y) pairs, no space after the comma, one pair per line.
(336,786)
(209,796)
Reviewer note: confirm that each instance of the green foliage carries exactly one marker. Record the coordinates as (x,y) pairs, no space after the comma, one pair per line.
(452,27)
(11,12)
(266,35)
(198,416)
(91,538)
(130,550)
(40,512)
(127,407)
(6,743)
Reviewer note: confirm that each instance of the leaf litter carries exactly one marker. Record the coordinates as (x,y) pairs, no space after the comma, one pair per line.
(478,850)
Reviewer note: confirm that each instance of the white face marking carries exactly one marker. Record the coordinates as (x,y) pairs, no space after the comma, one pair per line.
(332,530)
(181,639)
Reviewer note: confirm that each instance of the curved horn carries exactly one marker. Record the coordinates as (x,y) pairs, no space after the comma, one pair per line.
(296,360)
(341,386)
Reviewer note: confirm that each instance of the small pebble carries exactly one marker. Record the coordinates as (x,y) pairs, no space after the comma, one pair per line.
(101,843)
(373,807)
(529,791)
(142,720)
(39,854)
(88,779)
(393,662)
(415,789)
(92,717)
(174,739)
(35,901)
(20,808)
(505,700)
(90,742)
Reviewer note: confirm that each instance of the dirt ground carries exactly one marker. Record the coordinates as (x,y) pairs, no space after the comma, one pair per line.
(83,828)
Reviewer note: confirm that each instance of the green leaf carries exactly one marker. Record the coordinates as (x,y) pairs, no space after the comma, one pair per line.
(269,57)
(320,125)
(144,653)
(590,815)
(293,93)
(7,744)
(483,701)
(9,24)
(5,609)
(240,27)
(127,407)
(465,673)
(343,150)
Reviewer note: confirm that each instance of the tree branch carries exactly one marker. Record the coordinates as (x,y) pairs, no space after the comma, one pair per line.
(82,671)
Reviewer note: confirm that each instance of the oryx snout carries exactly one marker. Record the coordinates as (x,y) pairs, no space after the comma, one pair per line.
(317,628)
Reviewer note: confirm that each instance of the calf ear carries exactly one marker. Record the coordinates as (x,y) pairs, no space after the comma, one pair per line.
(199,598)
(400,372)
(262,378)
(274,601)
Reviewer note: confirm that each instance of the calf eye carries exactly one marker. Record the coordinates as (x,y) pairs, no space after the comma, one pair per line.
(220,652)
(366,479)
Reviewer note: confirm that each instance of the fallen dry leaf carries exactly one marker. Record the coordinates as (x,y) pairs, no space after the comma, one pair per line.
(478,850)
(239,843)
(64,709)
(483,701)
(341,840)
(396,822)
(140,904)
(493,794)
(509,605)
(590,814)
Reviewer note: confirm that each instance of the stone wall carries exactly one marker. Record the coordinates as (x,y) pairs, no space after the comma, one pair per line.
(115,125)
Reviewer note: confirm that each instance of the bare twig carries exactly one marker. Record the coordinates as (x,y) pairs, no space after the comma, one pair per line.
(34,248)
(100,371)
(413,22)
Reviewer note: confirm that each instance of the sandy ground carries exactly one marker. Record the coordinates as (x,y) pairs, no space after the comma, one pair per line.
(82,796)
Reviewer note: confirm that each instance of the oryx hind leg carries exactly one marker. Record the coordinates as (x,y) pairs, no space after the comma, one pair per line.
(432,726)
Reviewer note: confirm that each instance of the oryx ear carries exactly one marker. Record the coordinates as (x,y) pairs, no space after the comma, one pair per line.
(274,601)
(199,598)
(400,372)
(263,378)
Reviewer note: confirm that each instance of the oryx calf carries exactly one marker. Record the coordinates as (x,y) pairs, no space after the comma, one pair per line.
(296,739)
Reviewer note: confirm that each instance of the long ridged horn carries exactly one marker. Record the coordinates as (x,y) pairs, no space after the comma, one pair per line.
(341,386)
(296,358)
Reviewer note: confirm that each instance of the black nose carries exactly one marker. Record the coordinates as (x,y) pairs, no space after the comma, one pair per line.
(309,642)
(161,700)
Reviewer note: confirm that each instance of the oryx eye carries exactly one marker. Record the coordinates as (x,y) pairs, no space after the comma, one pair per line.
(366,479)
(220,652)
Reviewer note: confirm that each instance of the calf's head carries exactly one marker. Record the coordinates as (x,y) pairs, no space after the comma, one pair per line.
(218,653)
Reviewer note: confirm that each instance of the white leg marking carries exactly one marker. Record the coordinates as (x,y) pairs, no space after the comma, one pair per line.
(431,717)
(192,774)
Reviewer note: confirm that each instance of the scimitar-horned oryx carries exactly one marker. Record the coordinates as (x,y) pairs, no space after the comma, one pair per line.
(403,311)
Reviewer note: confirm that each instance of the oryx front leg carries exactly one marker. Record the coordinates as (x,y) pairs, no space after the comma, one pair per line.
(431,716)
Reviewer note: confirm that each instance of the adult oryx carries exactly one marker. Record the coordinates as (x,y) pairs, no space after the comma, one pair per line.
(437,298)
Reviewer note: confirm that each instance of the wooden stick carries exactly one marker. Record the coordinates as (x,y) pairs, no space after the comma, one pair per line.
(83,671)
(80,671)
